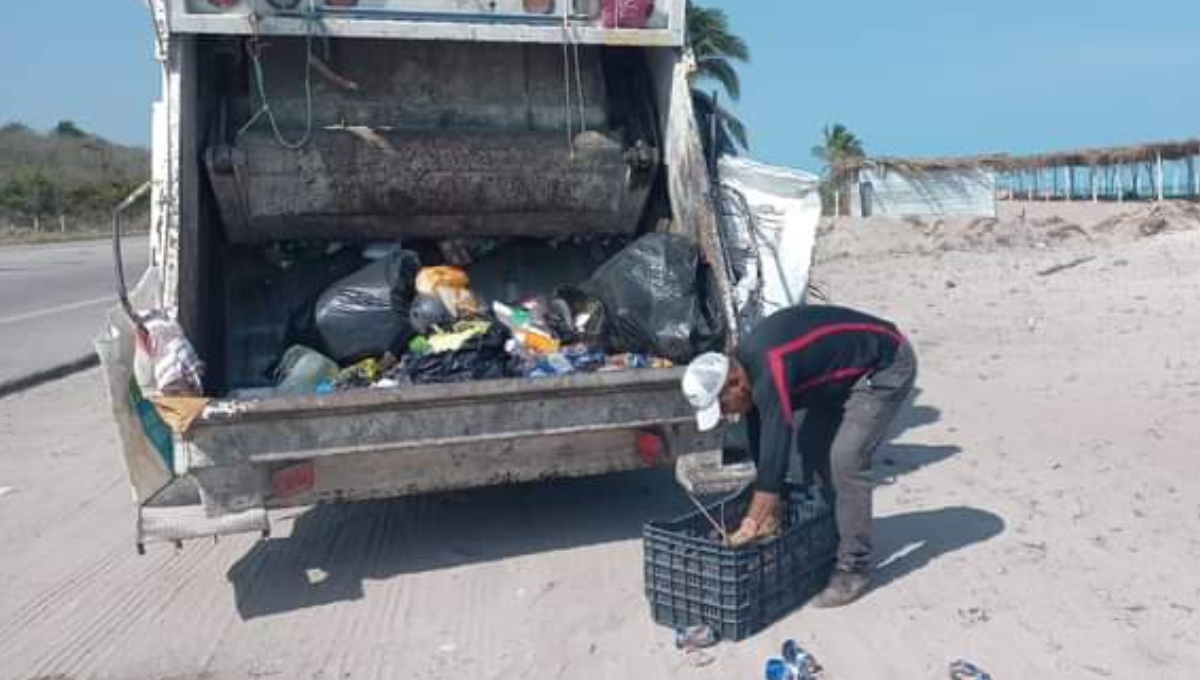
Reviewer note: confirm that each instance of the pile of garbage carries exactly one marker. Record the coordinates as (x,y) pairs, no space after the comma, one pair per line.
(396,323)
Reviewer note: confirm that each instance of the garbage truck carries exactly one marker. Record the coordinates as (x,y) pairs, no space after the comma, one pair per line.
(292,132)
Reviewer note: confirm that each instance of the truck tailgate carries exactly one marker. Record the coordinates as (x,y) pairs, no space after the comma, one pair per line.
(385,443)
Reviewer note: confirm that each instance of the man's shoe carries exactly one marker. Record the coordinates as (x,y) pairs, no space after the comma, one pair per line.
(844,588)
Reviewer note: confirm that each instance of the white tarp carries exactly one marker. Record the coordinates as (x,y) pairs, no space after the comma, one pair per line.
(770,219)
(897,193)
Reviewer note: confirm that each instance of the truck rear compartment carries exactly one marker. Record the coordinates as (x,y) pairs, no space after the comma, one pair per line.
(435,145)
(408,141)
(283,161)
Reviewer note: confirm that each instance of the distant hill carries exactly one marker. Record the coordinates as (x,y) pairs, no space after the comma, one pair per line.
(64,179)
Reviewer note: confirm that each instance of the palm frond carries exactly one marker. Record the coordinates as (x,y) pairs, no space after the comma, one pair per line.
(711,35)
(720,71)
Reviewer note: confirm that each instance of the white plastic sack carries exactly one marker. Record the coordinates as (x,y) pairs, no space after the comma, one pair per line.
(770,220)
(116,345)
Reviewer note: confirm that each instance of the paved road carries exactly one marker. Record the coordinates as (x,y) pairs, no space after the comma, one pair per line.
(53,299)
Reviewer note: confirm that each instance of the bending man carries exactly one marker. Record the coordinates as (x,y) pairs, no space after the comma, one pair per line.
(837,377)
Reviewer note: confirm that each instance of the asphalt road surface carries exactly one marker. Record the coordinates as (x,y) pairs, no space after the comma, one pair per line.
(53,299)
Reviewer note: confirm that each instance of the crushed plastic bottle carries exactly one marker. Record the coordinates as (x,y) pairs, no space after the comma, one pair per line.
(302,370)
(695,637)
(965,670)
(585,360)
(551,366)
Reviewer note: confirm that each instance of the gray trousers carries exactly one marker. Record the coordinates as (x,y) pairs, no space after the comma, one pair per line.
(839,445)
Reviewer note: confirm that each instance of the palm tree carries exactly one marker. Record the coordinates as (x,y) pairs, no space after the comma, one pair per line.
(716,48)
(840,150)
(841,146)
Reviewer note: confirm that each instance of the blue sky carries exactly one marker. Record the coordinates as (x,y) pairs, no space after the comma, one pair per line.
(918,77)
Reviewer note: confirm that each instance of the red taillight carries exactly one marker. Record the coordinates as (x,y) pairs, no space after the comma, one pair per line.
(293,480)
(223,4)
(651,448)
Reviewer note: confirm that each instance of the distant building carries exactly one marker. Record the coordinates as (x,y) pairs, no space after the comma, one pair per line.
(970,186)
(899,189)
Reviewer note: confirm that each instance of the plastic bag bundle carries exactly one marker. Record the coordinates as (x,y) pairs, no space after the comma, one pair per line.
(452,286)
(482,357)
(178,371)
(366,313)
(655,300)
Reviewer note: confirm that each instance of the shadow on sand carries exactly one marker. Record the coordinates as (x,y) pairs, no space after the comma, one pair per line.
(334,548)
(908,542)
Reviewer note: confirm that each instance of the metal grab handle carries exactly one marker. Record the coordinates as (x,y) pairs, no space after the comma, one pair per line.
(117,220)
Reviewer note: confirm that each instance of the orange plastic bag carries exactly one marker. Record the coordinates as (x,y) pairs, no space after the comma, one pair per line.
(452,286)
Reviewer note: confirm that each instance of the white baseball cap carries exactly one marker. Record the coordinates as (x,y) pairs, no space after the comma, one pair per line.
(702,385)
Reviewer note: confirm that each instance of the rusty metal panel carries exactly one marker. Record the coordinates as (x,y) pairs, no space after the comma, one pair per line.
(497,431)
(355,184)
(447,468)
(691,186)
(277,430)
(406,85)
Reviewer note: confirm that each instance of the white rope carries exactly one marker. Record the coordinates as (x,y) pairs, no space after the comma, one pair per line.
(567,81)
(720,527)
(579,86)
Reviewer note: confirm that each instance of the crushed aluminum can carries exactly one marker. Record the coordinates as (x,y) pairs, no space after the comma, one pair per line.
(804,664)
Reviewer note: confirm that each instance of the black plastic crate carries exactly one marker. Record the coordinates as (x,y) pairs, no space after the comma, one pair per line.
(693,579)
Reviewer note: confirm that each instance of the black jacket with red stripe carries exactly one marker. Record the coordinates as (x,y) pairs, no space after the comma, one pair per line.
(807,357)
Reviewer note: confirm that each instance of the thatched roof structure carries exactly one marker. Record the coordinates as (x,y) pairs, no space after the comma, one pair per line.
(1169,151)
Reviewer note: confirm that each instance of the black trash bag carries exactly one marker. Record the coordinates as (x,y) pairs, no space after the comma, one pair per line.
(656,300)
(481,358)
(366,314)
(301,285)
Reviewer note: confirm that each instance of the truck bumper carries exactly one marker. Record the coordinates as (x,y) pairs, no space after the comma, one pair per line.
(245,457)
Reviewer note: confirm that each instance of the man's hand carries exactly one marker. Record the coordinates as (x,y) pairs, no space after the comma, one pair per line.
(761,521)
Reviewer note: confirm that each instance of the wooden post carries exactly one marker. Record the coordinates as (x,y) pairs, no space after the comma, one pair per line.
(1159,177)
(1095,184)
(1070,182)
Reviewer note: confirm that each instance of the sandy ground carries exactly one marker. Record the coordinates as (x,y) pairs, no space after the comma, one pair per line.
(1039,510)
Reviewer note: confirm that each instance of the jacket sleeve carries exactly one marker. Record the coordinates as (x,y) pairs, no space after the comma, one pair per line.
(770,439)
